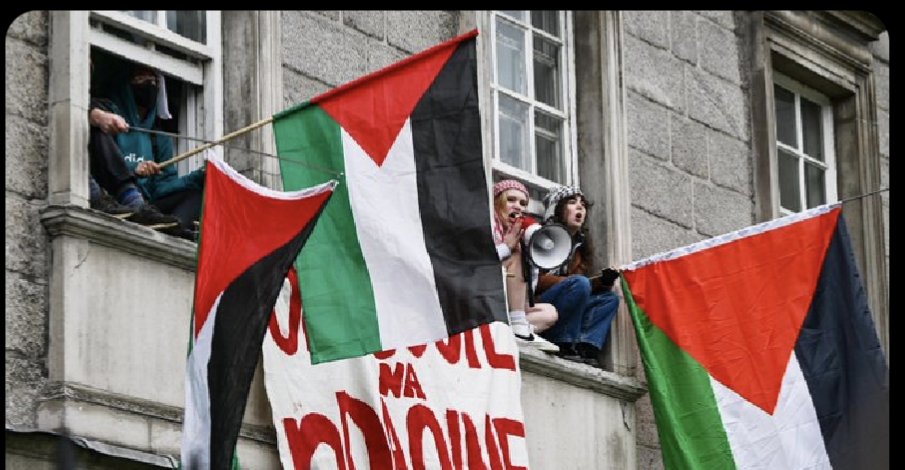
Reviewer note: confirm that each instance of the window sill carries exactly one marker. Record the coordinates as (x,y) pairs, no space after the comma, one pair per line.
(129,237)
(580,375)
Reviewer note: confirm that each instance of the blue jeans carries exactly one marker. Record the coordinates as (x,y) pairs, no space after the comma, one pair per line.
(583,317)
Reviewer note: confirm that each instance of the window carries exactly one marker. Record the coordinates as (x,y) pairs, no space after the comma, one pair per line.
(532,97)
(188,24)
(185,47)
(804,146)
(815,130)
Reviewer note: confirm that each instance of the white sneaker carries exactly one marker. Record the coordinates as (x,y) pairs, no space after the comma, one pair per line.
(522,330)
(524,334)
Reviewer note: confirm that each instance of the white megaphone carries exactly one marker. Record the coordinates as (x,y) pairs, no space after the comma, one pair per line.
(549,246)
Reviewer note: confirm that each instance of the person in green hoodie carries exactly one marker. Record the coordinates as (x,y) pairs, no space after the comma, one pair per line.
(131,169)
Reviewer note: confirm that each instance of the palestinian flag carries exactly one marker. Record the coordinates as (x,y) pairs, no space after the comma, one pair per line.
(404,254)
(760,350)
(249,239)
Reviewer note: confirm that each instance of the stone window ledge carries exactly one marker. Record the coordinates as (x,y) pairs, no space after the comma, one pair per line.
(100,228)
(103,229)
(580,375)
(38,444)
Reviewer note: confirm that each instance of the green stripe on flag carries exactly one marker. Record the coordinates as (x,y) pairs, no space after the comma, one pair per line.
(691,431)
(337,292)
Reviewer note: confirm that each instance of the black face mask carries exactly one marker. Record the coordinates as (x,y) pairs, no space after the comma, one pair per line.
(145,94)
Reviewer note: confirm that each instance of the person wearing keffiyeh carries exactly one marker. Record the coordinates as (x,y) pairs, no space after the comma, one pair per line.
(586,303)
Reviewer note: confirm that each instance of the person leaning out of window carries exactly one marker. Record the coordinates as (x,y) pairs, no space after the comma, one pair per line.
(586,303)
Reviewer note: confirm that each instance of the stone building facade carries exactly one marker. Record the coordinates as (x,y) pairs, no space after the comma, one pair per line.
(669,123)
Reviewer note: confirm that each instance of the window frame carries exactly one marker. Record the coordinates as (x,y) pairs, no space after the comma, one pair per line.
(201,110)
(488,21)
(828,51)
(828,164)
(600,156)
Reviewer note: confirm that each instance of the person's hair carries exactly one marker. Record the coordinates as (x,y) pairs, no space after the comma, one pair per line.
(499,201)
(587,248)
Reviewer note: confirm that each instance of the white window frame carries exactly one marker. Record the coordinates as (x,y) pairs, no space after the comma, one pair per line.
(201,113)
(567,114)
(829,154)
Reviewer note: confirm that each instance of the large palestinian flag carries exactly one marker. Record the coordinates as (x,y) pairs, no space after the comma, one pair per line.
(249,239)
(404,254)
(760,350)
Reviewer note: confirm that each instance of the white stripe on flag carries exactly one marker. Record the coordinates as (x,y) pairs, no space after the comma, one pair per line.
(790,438)
(385,206)
(196,424)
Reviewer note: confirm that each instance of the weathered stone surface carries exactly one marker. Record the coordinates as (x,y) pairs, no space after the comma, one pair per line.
(718,211)
(881,79)
(24,381)
(654,73)
(883,131)
(689,146)
(645,423)
(648,126)
(30,26)
(650,458)
(298,88)
(730,162)
(719,51)
(650,26)
(414,31)
(381,55)
(321,49)
(884,198)
(717,103)
(660,189)
(26,81)
(652,235)
(372,23)
(26,240)
(723,17)
(26,157)
(332,14)
(26,315)
(684,35)
(880,47)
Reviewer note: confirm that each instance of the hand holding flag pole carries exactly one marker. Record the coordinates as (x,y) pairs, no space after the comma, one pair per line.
(219,141)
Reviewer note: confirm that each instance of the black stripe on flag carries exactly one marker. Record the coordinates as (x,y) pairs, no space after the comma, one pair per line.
(843,364)
(241,322)
(452,193)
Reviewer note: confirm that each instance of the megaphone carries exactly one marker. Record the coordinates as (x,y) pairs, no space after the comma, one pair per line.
(549,246)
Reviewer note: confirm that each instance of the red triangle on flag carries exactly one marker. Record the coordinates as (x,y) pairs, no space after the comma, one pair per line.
(738,308)
(374,108)
(239,227)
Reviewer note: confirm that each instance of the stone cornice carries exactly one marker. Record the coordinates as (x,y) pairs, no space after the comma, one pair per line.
(581,375)
(75,392)
(821,32)
(102,229)
(864,23)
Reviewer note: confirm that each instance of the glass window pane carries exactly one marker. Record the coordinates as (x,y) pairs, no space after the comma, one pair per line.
(785,116)
(548,143)
(511,67)
(546,72)
(789,195)
(815,182)
(189,24)
(546,21)
(811,128)
(145,15)
(517,14)
(514,132)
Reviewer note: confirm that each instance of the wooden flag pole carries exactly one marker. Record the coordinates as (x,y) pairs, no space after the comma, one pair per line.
(204,147)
